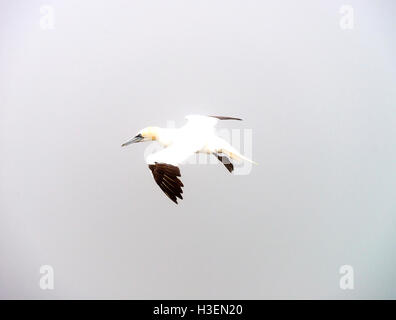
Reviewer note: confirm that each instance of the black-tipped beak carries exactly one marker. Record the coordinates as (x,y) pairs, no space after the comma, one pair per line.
(135,139)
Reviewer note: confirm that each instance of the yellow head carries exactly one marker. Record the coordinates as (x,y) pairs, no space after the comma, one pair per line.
(146,134)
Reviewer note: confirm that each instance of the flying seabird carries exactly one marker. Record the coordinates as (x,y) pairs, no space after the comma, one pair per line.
(196,136)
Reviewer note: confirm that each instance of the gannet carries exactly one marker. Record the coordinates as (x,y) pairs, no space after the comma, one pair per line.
(196,136)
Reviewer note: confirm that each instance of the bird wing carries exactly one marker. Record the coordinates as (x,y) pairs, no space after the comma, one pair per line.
(205,121)
(192,137)
(225,118)
(164,167)
(224,160)
(201,122)
(166,176)
(218,145)
(178,152)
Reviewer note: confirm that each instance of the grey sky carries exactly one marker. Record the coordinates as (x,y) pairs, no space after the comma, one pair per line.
(320,102)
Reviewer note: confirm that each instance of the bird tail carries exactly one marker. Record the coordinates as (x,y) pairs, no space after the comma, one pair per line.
(232,153)
(239,157)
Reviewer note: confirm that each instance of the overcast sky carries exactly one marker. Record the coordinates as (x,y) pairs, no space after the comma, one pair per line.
(320,102)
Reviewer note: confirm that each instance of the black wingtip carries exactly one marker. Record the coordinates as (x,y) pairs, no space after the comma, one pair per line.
(226,118)
(166,176)
(227,163)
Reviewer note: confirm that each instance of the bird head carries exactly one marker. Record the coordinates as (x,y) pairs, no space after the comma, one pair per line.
(146,134)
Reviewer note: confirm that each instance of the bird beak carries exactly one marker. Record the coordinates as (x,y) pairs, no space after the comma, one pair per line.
(135,139)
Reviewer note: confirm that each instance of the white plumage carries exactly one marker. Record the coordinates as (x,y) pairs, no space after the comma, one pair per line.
(198,135)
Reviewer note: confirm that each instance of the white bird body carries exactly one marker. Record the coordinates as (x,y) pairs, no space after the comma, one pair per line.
(196,136)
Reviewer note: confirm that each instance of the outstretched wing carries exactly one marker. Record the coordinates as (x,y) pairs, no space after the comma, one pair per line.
(226,118)
(205,121)
(224,160)
(166,176)
(164,167)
